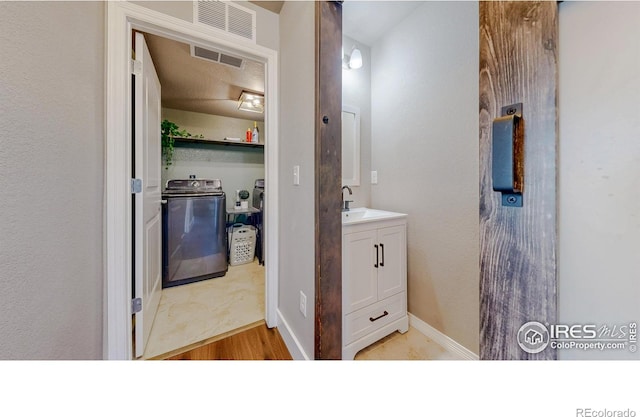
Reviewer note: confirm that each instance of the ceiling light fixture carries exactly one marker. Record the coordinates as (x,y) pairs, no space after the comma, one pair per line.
(251,102)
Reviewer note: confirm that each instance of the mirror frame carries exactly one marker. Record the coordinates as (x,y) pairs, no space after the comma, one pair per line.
(355,179)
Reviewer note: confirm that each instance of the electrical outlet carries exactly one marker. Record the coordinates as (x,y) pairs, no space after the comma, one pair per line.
(374,177)
(303,304)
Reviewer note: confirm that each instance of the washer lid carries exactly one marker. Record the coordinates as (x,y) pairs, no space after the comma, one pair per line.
(194,185)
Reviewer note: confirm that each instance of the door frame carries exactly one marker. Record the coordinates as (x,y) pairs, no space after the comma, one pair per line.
(122,18)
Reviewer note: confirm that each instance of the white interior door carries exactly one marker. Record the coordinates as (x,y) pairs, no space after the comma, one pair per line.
(148,214)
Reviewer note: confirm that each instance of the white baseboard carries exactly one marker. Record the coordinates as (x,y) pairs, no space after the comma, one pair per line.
(294,346)
(442,339)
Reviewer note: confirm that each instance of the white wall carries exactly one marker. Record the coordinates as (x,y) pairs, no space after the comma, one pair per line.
(425,149)
(356,91)
(237,167)
(297,203)
(51,177)
(599,170)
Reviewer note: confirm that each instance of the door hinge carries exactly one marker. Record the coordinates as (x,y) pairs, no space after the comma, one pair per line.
(136,185)
(136,305)
(136,67)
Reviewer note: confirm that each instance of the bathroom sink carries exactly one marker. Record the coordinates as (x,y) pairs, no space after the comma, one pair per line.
(364,215)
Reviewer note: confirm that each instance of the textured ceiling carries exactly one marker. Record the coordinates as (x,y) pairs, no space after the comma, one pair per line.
(193,84)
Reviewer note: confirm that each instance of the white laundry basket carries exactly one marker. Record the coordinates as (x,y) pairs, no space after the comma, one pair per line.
(242,244)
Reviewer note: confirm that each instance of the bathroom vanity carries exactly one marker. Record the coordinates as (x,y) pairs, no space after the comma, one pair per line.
(374,277)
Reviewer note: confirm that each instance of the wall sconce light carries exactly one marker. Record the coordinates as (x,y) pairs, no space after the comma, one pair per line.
(352,61)
(251,102)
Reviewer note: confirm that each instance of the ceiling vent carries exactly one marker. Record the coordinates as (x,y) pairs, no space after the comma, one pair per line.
(217,57)
(228,17)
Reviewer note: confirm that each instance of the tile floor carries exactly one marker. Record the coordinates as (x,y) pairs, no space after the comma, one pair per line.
(194,312)
(412,345)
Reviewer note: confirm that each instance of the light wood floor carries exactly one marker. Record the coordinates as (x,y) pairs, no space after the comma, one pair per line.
(256,343)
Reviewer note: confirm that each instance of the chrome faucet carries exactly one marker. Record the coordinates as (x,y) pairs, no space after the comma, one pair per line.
(345,203)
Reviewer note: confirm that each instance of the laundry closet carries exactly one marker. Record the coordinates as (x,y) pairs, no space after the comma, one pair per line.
(213,170)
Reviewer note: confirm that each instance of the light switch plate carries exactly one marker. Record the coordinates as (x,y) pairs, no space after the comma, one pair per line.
(303,304)
(296,175)
(374,177)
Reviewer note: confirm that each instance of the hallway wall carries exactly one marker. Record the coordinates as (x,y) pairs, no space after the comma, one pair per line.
(599,169)
(297,147)
(52,165)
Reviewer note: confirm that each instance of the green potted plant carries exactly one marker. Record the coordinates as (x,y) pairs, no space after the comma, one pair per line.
(170,131)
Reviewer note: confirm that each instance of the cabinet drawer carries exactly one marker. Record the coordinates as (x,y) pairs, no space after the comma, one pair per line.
(368,319)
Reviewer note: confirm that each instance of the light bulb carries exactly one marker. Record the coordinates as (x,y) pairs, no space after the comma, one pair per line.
(355,61)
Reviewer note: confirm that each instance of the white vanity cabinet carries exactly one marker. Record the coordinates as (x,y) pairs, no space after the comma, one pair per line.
(374,282)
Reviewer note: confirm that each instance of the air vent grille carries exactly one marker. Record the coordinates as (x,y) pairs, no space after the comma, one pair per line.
(240,23)
(231,60)
(213,13)
(206,54)
(228,17)
(217,57)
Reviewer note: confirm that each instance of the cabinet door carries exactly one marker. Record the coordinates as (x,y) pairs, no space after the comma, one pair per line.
(359,283)
(392,271)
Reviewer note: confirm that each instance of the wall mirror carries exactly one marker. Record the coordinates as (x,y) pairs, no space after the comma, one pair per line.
(350,145)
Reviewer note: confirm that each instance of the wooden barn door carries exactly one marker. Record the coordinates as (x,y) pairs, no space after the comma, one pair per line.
(518,64)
